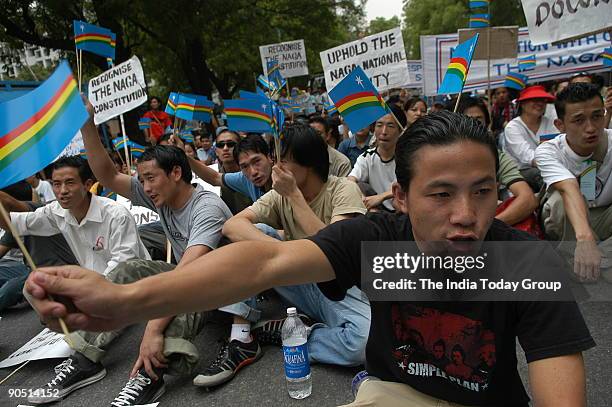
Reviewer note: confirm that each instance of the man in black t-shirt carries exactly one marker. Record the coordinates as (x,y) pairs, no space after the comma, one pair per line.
(445,165)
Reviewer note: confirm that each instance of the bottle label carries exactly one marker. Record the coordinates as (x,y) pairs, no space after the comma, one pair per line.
(296,361)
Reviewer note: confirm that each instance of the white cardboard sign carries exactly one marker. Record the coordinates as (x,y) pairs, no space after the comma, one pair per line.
(382,57)
(291,56)
(118,90)
(553,20)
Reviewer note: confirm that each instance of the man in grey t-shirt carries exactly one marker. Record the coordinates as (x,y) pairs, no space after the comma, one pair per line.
(192,219)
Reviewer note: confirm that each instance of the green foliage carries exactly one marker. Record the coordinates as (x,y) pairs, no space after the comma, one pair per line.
(191,45)
(380,24)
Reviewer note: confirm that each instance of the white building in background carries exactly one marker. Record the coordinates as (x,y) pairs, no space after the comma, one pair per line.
(30,55)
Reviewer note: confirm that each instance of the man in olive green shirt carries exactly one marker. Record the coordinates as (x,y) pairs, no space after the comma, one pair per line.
(303,200)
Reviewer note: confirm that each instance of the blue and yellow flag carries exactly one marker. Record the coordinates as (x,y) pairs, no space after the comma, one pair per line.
(479,4)
(479,21)
(515,81)
(249,115)
(458,68)
(119,143)
(36,127)
(606,56)
(97,40)
(144,123)
(274,74)
(136,149)
(172,102)
(357,100)
(527,63)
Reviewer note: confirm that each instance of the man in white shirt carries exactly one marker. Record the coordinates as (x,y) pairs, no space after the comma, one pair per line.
(577,170)
(374,170)
(100,232)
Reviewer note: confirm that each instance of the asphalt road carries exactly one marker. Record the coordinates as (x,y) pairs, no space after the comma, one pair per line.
(262,384)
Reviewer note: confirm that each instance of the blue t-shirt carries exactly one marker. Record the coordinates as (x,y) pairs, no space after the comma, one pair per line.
(240,183)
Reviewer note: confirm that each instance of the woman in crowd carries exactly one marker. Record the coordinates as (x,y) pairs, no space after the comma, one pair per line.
(525,132)
(414,108)
(160,120)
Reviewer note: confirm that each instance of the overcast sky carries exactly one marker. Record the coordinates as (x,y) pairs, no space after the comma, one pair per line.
(383,8)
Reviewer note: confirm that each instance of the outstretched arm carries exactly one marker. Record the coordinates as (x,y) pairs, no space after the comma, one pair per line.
(222,277)
(100,162)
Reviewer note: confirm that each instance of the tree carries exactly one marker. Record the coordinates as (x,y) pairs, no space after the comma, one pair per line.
(426,17)
(192,45)
(380,24)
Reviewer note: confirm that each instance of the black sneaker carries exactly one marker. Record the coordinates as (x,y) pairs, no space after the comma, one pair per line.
(70,375)
(140,389)
(232,357)
(269,332)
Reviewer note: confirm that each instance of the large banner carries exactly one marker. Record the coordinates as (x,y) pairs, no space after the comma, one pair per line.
(415,67)
(118,90)
(552,61)
(382,56)
(554,20)
(291,57)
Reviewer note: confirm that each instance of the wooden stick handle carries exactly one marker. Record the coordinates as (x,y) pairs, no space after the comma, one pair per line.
(29,261)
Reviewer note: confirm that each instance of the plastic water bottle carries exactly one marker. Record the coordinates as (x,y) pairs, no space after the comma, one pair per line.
(295,349)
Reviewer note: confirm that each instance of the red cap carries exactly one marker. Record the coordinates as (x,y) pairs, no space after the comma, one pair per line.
(535,92)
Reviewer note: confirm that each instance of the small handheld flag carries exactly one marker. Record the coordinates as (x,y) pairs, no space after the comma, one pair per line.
(548,137)
(607,56)
(457,71)
(278,119)
(267,84)
(249,115)
(136,149)
(479,4)
(186,136)
(515,81)
(357,100)
(274,74)
(144,123)
(36,127)
(479,20)
(194,107)
(172,102)
(330,108)
(97,40)
(107,193)
(527,63)
(118,143)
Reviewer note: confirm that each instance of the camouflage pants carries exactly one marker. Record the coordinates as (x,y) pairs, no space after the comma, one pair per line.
(179,349)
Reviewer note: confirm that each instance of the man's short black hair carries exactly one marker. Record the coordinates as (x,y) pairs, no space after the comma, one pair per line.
(303,145)
(468,101)
(399,114)
(321,121)
(168,157)
(75,161)
(251,143)
(575,93)
(437,129)
(439,342)
(459,348)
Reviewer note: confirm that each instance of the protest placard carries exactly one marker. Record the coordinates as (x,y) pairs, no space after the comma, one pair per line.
(553,20)
(415,67)
(75,146)
(118,90)
(45,345)
(382,57)
(552,61)
(291,56)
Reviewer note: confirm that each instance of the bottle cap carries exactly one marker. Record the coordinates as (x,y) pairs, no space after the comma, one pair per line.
(291,311)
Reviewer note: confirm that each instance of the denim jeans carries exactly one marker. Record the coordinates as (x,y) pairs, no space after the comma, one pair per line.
(13,275)
(341,336)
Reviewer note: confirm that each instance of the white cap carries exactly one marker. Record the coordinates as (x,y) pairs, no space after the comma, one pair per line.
(291,311)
